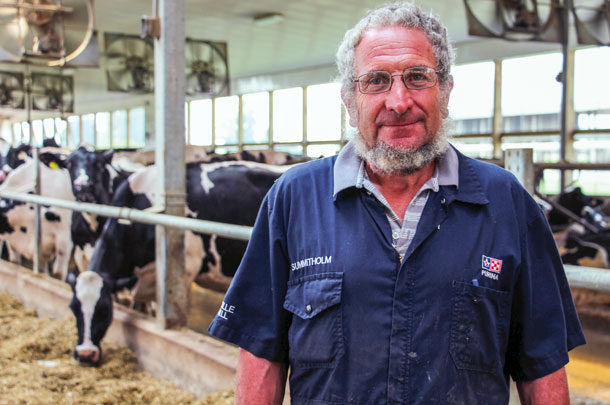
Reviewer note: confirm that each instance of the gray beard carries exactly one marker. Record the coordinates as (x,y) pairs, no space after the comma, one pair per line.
(398,160)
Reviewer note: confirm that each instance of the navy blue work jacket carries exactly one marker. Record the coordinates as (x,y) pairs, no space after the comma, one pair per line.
(480,295)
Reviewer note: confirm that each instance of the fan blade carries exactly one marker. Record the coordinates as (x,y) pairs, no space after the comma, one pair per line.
(13,29)
(483,17)
(11,90)
(119,80)
(592,23)
(207,73)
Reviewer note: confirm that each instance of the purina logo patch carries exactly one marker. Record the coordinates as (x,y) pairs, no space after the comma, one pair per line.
(491,267)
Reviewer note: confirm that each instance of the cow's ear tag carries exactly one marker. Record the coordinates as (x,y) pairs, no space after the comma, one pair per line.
(53,165)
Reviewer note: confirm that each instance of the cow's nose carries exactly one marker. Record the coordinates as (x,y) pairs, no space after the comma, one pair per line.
(88,356)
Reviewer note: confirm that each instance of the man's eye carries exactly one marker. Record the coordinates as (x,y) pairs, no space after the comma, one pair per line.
(376,80)
(417,77)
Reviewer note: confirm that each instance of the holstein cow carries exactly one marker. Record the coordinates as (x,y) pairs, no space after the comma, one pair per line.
(229,192)
(86,178)
(93,180)
(17,218)
(577,244)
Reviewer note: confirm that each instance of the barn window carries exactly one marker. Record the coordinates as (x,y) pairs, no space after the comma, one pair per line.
(137,125)
(73,131)
(88,129)
(288,115)
(476,147)
(255,118)
(49,127)
(201,122)
(531,95)
(37,132)
(471,104)
(225,120)
(61,128)
(324,112)
(102,130)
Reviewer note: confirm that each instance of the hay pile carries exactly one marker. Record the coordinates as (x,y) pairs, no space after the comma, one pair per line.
(36,367)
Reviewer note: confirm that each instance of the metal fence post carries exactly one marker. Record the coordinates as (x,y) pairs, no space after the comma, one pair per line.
(520,162)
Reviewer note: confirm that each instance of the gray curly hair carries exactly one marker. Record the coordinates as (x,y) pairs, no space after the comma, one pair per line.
(402,14)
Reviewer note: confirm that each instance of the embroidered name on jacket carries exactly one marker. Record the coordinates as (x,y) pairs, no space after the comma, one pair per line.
(311,261)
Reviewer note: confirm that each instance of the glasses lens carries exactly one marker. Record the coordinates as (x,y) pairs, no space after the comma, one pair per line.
(419,78)
(375,82)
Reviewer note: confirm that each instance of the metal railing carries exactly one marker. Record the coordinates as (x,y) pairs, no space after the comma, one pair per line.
(578,276)
(131,214)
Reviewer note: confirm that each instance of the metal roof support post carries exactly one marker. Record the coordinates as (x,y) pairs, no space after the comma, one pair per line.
(498,119)
(172,293)
(37,226)
(567,115)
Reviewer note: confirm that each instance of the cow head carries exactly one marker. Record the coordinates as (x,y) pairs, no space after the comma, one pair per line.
(14,158)
(89,174)
(92,307)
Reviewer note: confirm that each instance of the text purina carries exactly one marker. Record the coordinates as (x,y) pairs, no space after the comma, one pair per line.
(311,261)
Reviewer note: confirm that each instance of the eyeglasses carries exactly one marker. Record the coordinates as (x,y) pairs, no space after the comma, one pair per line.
(380,81)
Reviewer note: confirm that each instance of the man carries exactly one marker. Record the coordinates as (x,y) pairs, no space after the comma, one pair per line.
(399,271)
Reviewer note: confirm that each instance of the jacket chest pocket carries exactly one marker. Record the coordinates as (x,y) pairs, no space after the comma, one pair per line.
(478,329)
(316,332)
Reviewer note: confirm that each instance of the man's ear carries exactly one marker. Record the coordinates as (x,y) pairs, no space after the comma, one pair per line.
(445,93)
(350,106)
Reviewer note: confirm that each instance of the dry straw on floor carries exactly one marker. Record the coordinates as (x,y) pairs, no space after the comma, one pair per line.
(36,367)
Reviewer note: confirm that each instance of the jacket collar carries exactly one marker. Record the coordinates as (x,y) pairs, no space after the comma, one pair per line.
(457,176)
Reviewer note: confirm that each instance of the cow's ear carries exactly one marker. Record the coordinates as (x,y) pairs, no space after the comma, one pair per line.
(52,160)
(125,282)
(107,155)
(71,279)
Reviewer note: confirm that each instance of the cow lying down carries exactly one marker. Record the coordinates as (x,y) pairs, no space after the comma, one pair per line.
(229,192)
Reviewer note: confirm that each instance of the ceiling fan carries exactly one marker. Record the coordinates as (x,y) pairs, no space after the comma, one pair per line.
(129,63)
(207,70)
(12,93)
(48,32)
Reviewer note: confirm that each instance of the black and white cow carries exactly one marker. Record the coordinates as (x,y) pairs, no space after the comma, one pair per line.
(17,218)
(93,177)
(94,180)
(14,157)
(574,200)
(92,307)
(579,245)
(229,192)
(83,175)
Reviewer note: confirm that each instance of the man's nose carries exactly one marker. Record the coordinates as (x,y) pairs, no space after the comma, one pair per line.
(398,98)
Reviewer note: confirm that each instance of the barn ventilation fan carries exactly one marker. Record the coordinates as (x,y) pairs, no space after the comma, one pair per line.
(207,70)
(51,92)
(515,20)
(48,32)
(592,19)
(129,63)
(12,93)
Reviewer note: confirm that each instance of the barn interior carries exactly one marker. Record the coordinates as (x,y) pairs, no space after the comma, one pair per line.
(261,75)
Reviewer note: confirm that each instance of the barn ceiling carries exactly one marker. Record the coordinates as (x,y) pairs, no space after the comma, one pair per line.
(306,38)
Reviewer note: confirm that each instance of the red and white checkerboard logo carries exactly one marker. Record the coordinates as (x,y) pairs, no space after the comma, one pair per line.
(491,264)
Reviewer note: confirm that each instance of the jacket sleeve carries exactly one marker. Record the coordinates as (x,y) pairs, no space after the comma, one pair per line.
(252,314)
(544,323)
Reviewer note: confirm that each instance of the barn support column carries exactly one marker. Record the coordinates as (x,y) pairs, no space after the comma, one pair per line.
(172,295)
(498,119)
(520,162)
(568,117)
